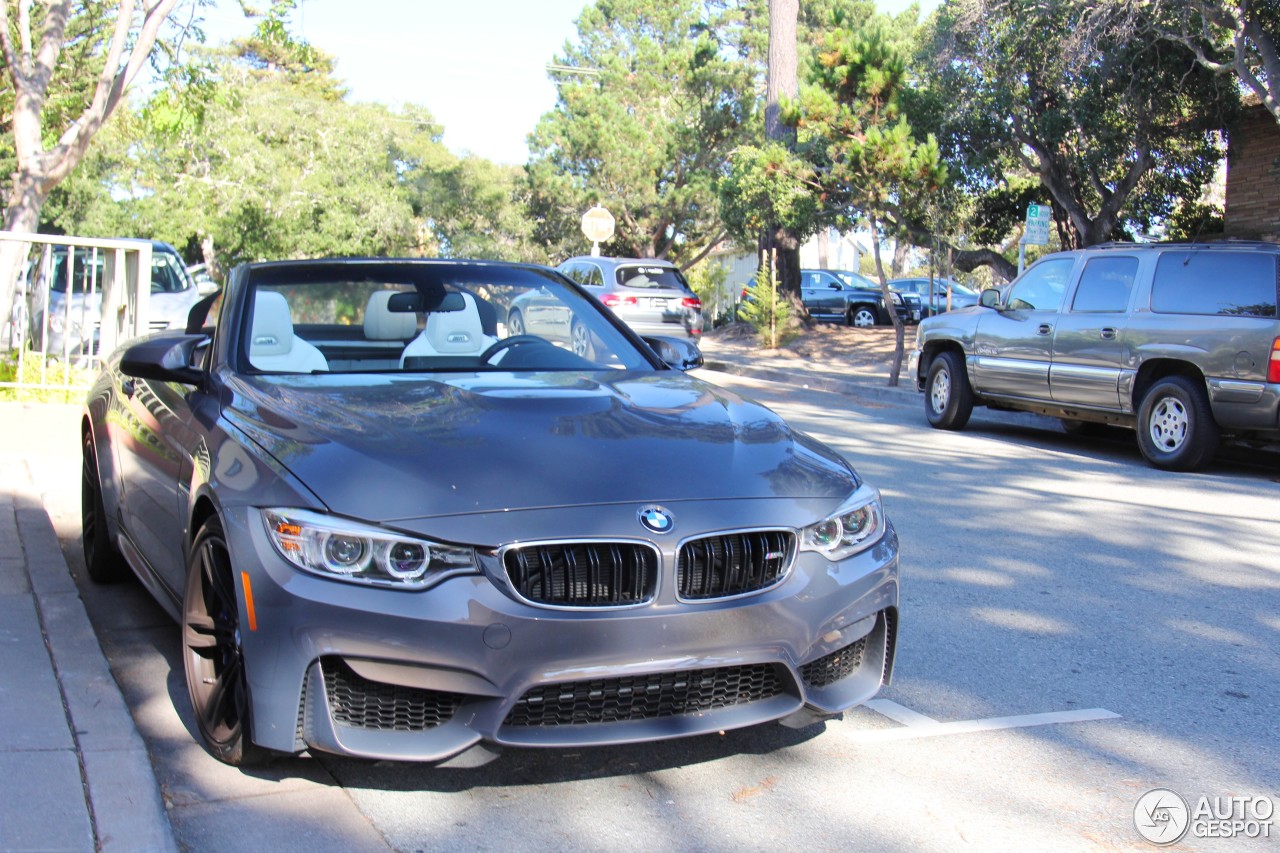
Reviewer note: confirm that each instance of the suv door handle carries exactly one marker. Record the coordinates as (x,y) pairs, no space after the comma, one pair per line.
(1107,334)
(1045,329)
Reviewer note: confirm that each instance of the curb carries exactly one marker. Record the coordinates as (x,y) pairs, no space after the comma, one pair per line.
(868,387)
(120,788)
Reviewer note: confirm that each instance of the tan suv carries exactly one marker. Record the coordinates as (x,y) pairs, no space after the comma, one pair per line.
(1179,341)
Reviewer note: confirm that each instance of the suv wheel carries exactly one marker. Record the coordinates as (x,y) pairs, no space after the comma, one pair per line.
(948,398)
(861,316)
(1176,429)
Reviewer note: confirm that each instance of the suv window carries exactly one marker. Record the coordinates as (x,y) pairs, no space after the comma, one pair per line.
(815,280)
(1242,283)
(1105,285)
(1042,286)
(650,277)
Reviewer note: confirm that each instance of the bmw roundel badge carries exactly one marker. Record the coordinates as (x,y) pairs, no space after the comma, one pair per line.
(657,519)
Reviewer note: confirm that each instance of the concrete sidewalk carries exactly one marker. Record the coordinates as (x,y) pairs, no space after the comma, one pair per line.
(74,772)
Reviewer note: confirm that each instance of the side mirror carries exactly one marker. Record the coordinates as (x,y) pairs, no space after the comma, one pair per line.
(676,352)
(990,298)
(167,358)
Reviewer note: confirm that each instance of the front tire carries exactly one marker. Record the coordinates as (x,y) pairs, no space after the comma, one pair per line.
(948,397)
(1176,429)
(580,339)
(212,656)
(861,317)
(102,559)
(515,324)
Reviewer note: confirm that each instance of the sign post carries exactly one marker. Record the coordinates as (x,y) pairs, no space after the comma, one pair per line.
(597,226)
(1036,232)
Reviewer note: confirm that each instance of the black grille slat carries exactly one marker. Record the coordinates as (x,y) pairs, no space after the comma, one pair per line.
(835,666)
(733,564)
(358,702)
(584,574)
(644,697)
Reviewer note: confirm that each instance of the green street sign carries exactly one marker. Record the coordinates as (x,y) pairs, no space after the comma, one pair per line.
(1037,233)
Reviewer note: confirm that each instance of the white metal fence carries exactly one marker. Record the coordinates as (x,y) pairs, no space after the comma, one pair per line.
(76,299)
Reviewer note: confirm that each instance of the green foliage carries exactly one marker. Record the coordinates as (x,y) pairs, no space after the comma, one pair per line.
(1115,127)
(707,280)
(61,383)
(769,186)
(851,125)
(657,95)
(767,310)
(264,160)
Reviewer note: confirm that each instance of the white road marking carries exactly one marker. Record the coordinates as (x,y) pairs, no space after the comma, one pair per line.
(918,725)
(898,713)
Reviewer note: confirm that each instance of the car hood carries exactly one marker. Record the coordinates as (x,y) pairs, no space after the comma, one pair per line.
(385,448)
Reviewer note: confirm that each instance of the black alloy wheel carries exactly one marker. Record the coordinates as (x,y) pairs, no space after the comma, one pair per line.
(212,656)
(101,558)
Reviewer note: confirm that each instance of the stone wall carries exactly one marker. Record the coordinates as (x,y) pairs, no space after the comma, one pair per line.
(1253,177)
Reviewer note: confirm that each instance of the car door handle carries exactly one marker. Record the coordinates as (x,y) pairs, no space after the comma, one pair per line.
(127,388)
(1045,329)
(1107,334)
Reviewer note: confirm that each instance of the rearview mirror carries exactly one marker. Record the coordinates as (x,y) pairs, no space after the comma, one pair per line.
(431,301)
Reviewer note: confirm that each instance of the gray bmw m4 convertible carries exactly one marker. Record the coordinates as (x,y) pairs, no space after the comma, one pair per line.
(391,528)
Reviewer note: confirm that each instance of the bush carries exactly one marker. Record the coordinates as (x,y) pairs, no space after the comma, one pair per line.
(60,383)
(768,312)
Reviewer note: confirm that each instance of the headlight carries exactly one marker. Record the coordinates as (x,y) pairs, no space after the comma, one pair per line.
(347,550)
(55,323)
(896,297)
(857,525)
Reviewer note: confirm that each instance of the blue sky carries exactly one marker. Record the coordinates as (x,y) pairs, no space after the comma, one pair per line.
(477,65)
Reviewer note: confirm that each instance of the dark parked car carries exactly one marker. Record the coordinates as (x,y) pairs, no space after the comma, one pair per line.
(935,299)
(650,296)
(1179,341)
(391,526)
(852,299)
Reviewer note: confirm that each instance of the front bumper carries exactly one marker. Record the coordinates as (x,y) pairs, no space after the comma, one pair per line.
(427,675)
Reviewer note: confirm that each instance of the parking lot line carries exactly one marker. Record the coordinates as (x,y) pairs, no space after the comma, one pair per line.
(919,726)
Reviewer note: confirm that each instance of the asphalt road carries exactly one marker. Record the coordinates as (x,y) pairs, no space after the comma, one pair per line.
(1046,579)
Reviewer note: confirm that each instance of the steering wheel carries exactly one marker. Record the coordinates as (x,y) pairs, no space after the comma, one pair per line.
(509,343)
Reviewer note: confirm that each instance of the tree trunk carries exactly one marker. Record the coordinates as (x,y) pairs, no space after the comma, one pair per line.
(899,335)
(899,263)
(40,168)
(782,82)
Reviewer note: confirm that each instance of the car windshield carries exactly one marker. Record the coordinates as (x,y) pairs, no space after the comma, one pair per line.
(853,279)
(86,271)
(651,277)
(168,275)
(423,317)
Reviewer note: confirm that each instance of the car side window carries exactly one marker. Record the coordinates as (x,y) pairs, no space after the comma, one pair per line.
(592,276)
(1105,285)
(1237,283)
(1042,286)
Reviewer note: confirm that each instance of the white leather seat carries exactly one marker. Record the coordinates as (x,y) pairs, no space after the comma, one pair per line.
(382,324)
(272,345)
(451,333)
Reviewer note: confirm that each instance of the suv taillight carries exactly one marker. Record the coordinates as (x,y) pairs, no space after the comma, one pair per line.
(613,300)
(1273,371)
(691,302)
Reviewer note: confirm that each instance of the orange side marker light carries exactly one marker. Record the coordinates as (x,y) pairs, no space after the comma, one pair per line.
(248,601)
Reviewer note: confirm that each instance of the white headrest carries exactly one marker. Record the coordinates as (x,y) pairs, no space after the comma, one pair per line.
(272,325)
(457,332)
(381,324)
